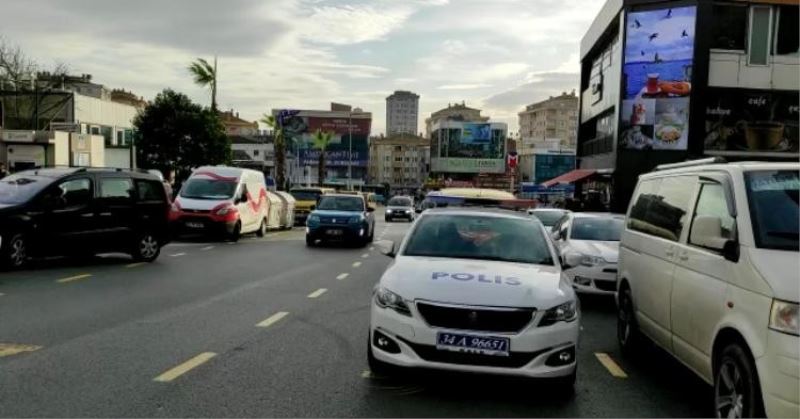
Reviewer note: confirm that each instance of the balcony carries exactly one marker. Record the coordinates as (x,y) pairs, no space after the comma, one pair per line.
(598,145)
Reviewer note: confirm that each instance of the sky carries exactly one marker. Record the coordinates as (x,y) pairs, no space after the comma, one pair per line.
(495,55)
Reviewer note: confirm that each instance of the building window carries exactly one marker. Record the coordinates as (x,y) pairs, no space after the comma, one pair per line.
(397,159)
(120,137)
(729,27)
(255,153)
(760,25)
(787,41)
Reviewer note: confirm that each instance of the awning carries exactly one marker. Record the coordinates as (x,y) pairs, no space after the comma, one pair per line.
(570,177)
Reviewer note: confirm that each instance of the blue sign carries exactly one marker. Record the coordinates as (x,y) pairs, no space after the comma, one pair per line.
(536,188)
(476,134)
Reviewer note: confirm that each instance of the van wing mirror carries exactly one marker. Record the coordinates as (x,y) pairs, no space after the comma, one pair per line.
(707,232)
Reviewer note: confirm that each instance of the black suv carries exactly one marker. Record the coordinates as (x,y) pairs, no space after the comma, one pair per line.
(81,212)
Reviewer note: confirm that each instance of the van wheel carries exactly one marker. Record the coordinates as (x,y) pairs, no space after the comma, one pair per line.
(16,254)
(737,392)
(236,234)
(627,329)
(262,229)
(147,248)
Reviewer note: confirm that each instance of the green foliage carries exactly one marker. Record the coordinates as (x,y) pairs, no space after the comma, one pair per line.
(174,133)
(205,75)
(280,150)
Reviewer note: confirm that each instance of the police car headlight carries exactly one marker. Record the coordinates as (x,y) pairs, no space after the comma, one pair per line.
(566,312)
(387,299)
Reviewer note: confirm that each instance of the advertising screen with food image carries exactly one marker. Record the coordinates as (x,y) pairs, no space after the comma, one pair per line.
(657,78)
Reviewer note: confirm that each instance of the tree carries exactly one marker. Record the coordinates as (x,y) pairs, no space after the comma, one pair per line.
(280,149)
(321,141)
(206,76)
(174,133)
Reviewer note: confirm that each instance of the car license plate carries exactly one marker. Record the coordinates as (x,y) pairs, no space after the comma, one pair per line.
(334,232)
(484,345)
(194,225)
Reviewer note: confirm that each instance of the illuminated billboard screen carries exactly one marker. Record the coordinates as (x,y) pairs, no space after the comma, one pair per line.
(473,148)
(657,79)
(299,128)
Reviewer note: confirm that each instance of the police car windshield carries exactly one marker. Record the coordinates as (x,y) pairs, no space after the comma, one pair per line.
(479,237)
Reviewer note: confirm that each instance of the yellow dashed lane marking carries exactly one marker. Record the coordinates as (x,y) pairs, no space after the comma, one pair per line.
(340,277)
(610,365)
(8,349)
(317,293)
(73,278)
(356,264)
(187,366)
(269,321)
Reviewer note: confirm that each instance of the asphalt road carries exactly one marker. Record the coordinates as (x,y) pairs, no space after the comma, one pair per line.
(268,327)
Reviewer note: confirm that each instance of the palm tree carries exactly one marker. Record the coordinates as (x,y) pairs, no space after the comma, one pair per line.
(280,149)
(206,76)
(321,141)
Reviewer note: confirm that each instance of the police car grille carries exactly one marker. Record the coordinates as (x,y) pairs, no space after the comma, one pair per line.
(465,318)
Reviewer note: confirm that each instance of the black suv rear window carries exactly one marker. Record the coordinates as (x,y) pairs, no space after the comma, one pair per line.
(150,191)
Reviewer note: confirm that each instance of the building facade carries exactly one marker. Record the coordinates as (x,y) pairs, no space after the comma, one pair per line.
(549,126)
(453,112)
(470,154)
(235,126)
(255,152)
(401,160)
(402,113)
(717,78)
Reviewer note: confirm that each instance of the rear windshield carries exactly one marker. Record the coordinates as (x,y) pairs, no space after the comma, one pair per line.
(199,188)
(599,229)
(773,199)
(21,187)
(400,201)
(305,195)
(479,237)
(341,203)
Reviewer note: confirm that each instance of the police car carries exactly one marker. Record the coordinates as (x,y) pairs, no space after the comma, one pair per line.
(477,290)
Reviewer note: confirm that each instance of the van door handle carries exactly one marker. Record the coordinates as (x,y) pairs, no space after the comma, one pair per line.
(684,256)
(670,252)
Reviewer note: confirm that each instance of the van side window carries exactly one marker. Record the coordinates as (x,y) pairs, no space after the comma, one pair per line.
(712,203)
(75,193)
(150,191)
(116,188)
(662,206)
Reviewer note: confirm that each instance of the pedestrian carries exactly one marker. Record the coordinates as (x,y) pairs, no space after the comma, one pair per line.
(169,183)
(3,170)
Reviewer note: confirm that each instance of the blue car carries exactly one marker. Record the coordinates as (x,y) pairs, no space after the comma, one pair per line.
(340,218)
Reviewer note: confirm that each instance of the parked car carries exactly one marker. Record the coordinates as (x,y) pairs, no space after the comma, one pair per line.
(589,248)
(222,201)
(306,200)
(341,218)
(399,207)
(476,290)
(708,271)
(81,212)
(548,216)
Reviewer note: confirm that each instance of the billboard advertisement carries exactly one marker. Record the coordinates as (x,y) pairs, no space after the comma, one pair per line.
(739,120)
(473,148)
(657,79)
(550,166)
(350,134)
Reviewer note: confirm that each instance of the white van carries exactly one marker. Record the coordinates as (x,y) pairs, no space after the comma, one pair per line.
(222,201)
(708,270)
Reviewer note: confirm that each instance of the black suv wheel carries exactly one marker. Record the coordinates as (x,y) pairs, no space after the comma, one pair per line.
(147,248)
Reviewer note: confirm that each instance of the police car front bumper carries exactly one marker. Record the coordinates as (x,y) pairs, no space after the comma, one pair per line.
(536,352)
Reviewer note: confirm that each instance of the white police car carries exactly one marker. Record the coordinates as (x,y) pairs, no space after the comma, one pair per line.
(475,290)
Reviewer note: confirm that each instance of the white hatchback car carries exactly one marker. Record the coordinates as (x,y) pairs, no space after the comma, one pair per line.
(589,247)
(476,290)
(708,270)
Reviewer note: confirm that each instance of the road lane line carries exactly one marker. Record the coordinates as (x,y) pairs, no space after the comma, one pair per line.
(371,249)
(356,264)
(207,248)
(1,294)
(365,255)
(8,349)
(366,374)
(317,293)
(187,366)
(134,265)
(177,255)
(269,321)
(340,277)
(73,278)
(610,365)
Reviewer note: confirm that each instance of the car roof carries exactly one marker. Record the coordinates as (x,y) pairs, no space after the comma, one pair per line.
(487,212)
(473,193)
(597,215)
(735,167)
(343,195)
(550,210)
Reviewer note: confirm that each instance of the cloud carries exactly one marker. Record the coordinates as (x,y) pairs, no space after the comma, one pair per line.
(351,24)
(463,86)
(539,88)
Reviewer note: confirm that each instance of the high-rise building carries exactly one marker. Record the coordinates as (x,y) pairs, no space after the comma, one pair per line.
(402,113)
(401,160)
(550,129)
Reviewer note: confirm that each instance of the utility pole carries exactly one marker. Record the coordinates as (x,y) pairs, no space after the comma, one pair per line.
(350,154)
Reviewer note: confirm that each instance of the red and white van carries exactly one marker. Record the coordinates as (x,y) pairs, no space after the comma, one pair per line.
(222,201)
